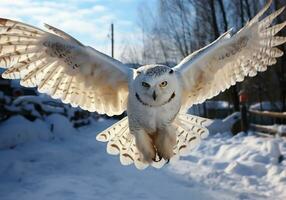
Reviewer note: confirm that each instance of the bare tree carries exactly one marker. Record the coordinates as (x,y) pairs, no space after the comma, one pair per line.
(179,27)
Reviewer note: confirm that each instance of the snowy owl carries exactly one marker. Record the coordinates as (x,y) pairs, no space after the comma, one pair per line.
(154,96)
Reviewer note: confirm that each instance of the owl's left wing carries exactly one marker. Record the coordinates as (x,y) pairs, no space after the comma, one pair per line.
(228,60)
(62,67)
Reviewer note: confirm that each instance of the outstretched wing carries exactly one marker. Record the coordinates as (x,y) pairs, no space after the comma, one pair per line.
(228,60)
(63,68)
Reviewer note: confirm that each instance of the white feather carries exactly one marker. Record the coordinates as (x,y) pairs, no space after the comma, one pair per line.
(34,56)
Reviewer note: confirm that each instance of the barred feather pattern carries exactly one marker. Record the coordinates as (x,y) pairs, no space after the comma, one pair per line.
(62,67)
(189,131)
(230,59)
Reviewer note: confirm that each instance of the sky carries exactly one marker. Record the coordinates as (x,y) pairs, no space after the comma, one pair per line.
(86,20)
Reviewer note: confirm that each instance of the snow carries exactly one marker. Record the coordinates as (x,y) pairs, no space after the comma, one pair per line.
(18,130)
(244,164)
(280,128)
(222,125)
(218,105)
(61,126)
(272,147)
(28,103)
(267,106)
(71,164)
(210,105)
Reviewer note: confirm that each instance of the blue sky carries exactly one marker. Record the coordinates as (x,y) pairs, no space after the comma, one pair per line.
(87,20)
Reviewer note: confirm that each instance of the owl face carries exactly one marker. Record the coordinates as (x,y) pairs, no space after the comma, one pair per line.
(155,85)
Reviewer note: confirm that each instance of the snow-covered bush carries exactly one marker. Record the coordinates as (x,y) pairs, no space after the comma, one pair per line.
(39,107)
(19,130)
(29,118)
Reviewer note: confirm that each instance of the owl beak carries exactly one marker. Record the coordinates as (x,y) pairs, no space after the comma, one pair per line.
(154,96)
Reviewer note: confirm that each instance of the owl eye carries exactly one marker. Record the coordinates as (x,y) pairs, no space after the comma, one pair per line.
(163,84)
(146,85)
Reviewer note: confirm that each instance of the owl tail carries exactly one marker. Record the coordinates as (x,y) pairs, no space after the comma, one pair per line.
(121,142)
(189,130)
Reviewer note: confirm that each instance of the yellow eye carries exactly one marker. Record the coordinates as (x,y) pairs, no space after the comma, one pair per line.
(163,84)
(146,85)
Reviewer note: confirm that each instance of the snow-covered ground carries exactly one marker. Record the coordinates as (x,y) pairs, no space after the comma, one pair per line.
(51,165)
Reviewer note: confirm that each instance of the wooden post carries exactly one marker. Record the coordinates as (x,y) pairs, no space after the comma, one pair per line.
(243,110)
(205,109)
(244,121)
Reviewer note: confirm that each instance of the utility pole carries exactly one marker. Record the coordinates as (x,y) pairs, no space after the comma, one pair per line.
(112,40)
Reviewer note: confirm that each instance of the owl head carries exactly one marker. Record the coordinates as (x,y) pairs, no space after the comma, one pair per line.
(156,85)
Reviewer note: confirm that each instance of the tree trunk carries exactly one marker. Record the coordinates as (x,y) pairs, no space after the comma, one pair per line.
(241,13)
(214,20)
(225,23)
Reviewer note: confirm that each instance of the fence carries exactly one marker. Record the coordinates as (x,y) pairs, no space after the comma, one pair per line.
(276,117)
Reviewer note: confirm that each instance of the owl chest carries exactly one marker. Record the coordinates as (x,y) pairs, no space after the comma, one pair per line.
(153,118)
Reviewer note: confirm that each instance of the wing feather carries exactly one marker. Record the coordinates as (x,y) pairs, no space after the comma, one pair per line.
(63,67)
(230,59)
(29,80)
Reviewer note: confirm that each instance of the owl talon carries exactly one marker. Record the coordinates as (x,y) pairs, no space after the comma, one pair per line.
(157,160)
(160,158)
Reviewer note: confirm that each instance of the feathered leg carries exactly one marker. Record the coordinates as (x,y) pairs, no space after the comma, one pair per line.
(165,141)
(145,145)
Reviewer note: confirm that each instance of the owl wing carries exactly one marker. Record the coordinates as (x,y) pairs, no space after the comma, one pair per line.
(230,59)
(63,67)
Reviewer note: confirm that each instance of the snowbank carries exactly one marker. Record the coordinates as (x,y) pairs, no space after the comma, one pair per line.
(61,126)
(46,103)
(223,125)
(78,167)
(248,165)
(18,130)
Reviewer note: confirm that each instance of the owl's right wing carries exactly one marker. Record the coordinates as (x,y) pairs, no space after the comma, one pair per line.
(63,67)
(230,59)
